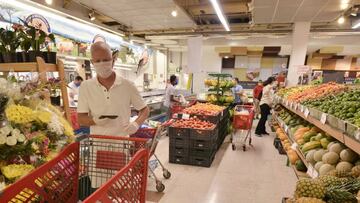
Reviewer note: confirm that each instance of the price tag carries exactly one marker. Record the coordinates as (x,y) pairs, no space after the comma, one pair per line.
(312,172)
(323,118)
(307,112)
(186,116)
(294,146)
(296,107)
(286,128)
(357,135)
(301,108)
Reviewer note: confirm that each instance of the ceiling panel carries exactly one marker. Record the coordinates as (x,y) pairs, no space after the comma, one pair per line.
(263,15)
(284,14)
(156,13)
(307,13)
(284,3)
(265,3)
(317,2)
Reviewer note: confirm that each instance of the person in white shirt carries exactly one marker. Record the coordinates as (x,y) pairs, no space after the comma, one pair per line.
(170,95)
(265,105)
(105,101)
(73,91)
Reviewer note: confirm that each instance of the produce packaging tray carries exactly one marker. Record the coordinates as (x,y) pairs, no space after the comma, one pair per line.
(194,152)
(332,121)
(178,159)
(199,134)
(351,129)
(315,113)
(202,161)
(179,151)
(179,132)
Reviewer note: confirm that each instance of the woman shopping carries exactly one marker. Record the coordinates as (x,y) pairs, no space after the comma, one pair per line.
(265,105)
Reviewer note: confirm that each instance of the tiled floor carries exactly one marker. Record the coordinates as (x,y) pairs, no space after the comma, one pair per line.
(259,175)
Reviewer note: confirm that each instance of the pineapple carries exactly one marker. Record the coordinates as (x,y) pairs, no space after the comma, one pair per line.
(344,192)
(309,200)
(310,188)
(339,174)
(329,181)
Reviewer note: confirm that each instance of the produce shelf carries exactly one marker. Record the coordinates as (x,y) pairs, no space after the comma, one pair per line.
(298,174)
(340,136)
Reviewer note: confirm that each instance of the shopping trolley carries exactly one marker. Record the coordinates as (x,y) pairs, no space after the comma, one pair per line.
(100,169)
(154,134)
(243,120)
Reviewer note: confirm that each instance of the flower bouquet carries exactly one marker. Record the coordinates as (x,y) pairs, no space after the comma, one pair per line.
(32,131)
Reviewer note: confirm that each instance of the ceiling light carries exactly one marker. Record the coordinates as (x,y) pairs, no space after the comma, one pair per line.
(174,13)
(341,20)
(49,2)
(92,15)
(354,11)
(345,1)
(226,57)
(343,6)
(356,24)
(220,14)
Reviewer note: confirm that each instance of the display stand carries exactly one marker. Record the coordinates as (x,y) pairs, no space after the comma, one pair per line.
(219,91)
(42,68)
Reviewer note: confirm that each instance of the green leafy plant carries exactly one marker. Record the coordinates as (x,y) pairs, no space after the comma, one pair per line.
(9,40)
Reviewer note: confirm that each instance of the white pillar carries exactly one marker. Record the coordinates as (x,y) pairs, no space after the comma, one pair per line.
(194,62)
(299,48)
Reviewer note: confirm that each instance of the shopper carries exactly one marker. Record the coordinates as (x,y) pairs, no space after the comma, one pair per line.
(73,91)
(265,105)
(170,98)
(257,97)
(105,101)
(237,91)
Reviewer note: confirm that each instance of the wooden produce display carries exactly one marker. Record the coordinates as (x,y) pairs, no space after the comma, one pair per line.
(42,68)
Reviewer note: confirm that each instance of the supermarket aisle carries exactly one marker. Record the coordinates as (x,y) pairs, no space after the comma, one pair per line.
(258,175)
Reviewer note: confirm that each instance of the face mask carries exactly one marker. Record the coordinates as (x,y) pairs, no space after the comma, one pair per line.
(103,69)
(77,84)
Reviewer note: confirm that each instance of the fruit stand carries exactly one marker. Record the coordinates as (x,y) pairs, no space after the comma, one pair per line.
(219,91)
(313,125)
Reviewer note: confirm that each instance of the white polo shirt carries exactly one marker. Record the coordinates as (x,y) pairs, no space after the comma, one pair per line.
(97,101)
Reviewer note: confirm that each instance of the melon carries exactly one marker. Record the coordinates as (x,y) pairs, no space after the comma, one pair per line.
(318,165)
(337,148)
(330,158)
(326,168)
(348,155)
(344,166)
(310,156)
(330,144)
(319,154)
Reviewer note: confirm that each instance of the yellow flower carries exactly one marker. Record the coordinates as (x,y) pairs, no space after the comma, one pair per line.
(19,114)
(43,116)
(68,130)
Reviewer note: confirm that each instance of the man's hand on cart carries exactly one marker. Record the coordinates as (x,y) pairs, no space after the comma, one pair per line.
(132,128)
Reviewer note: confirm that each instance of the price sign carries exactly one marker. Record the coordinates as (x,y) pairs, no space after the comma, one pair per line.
(287,103)
(307,112)
(294,146)
(185,116)
(357,135)
(286,128)
(296,107)
(312,172)
(323,118)
(302,108)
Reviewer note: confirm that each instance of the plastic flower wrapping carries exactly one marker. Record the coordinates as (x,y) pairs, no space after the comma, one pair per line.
(32,131)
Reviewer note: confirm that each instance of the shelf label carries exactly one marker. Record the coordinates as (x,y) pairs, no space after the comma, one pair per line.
(312,172)
(186,116)
(323,118)
(357,135)
(294,146)
(296,107)
(286,128)
(307,112)
(287,103)
(302,108)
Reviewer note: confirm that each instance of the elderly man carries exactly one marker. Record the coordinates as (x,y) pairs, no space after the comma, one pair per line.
(105,101)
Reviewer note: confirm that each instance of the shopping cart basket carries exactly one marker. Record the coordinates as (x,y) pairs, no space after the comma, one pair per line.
(154,134)
(109,168)
(243,120)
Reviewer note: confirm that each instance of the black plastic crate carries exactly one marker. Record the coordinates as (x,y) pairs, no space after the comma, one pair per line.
(179,132)
(195,152)
(211,119)
(201,161)
(179,141)
(179,151)
(177,159)
(204,134)
(202,144)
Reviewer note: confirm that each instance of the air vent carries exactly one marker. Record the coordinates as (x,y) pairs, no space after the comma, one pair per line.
(111,23)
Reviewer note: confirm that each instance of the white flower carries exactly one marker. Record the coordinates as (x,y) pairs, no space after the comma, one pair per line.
(5,131)
(55,126)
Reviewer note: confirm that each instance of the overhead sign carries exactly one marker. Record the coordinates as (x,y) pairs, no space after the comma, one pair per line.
(39,22)
(302,69)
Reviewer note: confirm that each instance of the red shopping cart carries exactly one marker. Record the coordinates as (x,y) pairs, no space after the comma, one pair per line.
(96,169)
(154,134)
(243,120)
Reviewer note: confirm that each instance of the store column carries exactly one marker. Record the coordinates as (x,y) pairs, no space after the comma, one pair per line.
(194,61)
(299,48)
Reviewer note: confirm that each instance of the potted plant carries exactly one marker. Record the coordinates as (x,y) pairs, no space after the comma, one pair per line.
(25,43)
(9,41)
(37,38)
(50,56)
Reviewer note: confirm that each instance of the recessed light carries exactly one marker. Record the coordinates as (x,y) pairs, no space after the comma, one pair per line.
(341,20)
(92,15)
(174,13)
(344,6)
(345,1)
(226,57)
(49,2)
